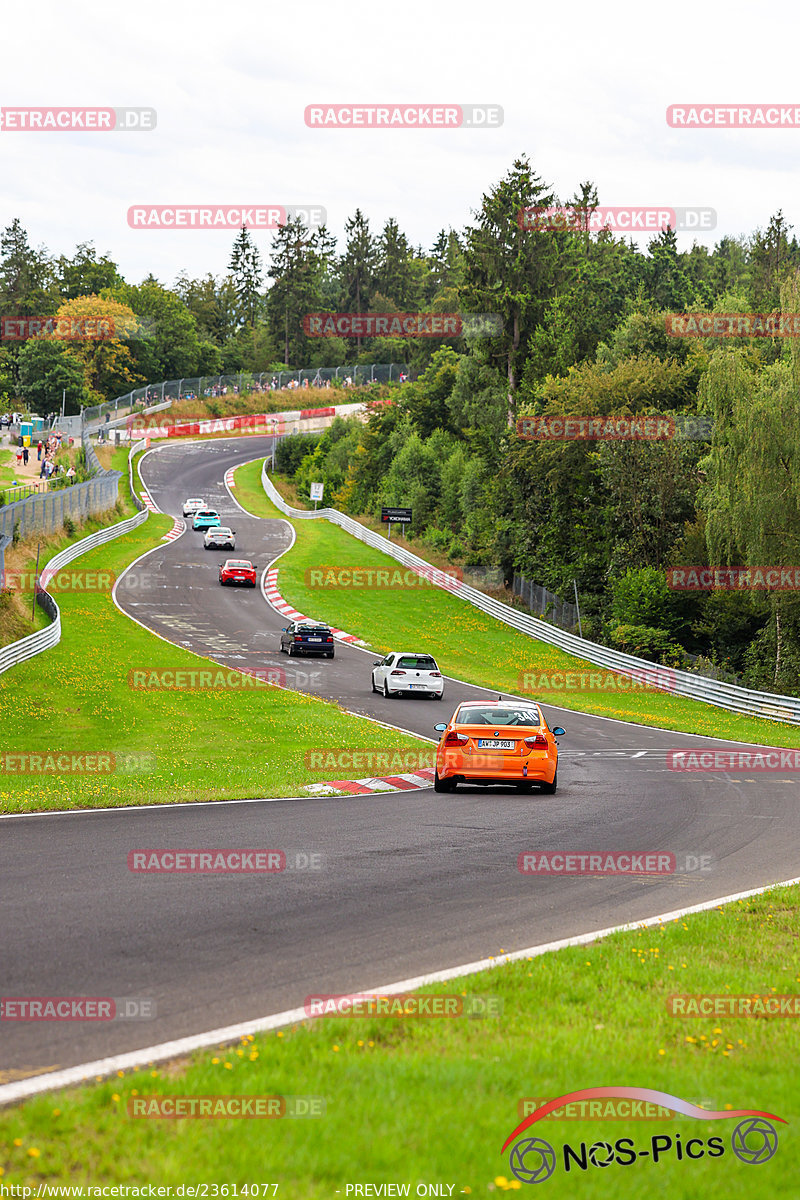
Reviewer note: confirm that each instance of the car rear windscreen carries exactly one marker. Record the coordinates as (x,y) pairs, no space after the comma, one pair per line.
(499,716)
(418,662)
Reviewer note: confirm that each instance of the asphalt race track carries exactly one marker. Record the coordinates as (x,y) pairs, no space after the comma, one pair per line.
(409,882)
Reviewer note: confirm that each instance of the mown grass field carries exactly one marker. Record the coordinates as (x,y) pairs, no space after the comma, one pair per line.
(467,643)
(168,746)
(413,1100)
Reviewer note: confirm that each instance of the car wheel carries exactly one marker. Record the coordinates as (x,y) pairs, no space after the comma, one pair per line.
(386,691)
(291,650)
(372,681)
(443,785)
(549,789)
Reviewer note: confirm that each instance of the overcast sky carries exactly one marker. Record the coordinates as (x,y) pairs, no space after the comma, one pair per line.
(584,90)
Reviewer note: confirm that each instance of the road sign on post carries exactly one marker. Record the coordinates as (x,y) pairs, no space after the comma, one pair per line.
(395,516)
(316,493)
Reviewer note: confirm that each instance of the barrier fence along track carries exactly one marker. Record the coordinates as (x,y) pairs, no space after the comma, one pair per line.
(694,687)
(198,386)
(45,639)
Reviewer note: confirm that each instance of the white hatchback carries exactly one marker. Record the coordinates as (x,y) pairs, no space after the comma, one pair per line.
(406,674)
(191,506)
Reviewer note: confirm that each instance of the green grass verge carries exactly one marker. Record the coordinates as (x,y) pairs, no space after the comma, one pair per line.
(209,744)
(413,1100)
(467,643)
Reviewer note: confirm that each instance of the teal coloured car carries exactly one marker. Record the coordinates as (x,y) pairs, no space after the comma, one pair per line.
(205,518)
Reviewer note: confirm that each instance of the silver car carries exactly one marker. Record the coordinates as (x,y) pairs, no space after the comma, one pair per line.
(220,538)
(190,507)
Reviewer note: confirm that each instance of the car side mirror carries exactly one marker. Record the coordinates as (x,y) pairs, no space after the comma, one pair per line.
(286,630)
(440,728)
(377,664)
(558,731)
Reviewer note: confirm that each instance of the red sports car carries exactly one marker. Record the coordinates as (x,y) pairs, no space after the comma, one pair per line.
(238,570)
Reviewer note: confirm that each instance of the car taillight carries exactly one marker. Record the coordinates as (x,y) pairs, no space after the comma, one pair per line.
(455,739)
(329,637)
(298,637)
(536,739)
(435,674)
(397,672)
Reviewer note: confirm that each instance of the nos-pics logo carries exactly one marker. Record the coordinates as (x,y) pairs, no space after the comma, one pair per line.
(533,1160)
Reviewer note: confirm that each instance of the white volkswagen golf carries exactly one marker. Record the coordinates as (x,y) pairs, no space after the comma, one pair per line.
(406,674)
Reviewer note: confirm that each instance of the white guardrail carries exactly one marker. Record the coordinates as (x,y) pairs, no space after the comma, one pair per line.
(682,683)
(45,639)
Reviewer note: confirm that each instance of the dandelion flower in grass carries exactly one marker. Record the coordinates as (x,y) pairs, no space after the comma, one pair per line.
(228,1066)
(662,1052)
(336,1048)
(56,1112)
(500,1181)
(214,1061)
(115,1098)
(17,1141)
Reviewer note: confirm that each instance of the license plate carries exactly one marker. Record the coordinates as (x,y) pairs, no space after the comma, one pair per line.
(315,639)
(495,744)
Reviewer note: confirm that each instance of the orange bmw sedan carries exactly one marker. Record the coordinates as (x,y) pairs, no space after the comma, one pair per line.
(500,741)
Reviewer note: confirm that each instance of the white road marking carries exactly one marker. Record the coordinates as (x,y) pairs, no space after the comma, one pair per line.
(12,1093)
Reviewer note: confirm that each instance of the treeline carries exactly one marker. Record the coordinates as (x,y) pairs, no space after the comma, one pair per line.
(586,334)
(561,295)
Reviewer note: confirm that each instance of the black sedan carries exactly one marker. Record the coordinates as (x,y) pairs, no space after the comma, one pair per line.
(307,637)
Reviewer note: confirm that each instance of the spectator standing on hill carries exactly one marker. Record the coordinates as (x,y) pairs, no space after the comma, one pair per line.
(39,451)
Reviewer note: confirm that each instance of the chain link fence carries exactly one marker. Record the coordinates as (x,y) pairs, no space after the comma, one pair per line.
(545,603)
(200,387)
